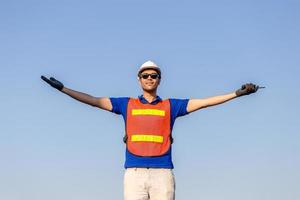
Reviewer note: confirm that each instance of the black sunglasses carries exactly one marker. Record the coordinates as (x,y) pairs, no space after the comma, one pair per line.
(153,76)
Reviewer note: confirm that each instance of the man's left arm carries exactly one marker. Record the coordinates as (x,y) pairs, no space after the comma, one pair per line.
(196,104)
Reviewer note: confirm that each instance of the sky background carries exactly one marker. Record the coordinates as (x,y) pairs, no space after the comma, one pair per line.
(55,148)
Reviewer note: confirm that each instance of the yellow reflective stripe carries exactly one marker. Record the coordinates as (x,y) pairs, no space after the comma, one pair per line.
(147,138)
(148,112)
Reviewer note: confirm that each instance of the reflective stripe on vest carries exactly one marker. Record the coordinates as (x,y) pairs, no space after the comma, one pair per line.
(148,128)
(147,138)
(148,112)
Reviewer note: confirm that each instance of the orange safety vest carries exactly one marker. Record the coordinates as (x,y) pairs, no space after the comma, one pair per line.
(148,129)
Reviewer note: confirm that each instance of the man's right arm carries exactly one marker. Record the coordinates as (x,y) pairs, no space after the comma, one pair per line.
(102,102)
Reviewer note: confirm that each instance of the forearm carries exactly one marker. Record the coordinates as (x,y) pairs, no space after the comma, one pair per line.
(216,100)
(196,104)
(82,97)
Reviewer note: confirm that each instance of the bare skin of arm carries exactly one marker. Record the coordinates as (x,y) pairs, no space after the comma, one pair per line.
(196,104)
(100,102)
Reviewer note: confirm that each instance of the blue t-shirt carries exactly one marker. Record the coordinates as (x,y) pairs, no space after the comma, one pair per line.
(178,108)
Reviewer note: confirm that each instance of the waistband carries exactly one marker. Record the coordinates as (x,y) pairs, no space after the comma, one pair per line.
(147,169)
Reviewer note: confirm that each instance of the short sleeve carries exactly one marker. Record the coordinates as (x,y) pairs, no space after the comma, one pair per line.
(119,105)
(179,107)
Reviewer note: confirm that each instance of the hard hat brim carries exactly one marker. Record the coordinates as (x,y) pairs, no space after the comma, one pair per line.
(149,67)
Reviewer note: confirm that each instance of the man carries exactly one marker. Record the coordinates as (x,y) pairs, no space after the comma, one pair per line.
(149,121)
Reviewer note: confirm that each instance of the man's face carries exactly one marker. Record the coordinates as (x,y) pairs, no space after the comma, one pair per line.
(147,82)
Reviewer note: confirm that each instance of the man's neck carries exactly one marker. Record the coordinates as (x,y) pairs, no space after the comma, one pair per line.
(149,96)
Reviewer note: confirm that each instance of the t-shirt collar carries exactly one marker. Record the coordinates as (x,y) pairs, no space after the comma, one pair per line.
(144,101)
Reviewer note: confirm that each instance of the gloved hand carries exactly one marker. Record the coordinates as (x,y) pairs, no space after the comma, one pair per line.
(53,82)
(246,89)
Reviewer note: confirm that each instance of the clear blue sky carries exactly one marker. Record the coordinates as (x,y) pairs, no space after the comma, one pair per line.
(53,147)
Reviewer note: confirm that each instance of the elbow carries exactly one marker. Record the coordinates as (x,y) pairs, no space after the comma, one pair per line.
(94,102)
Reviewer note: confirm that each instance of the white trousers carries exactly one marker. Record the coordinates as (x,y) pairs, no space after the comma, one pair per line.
(149,184)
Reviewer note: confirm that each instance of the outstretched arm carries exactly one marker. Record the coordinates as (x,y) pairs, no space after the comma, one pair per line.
(102,102)
(196,104)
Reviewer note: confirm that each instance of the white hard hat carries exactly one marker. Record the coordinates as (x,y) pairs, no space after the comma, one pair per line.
(149,65)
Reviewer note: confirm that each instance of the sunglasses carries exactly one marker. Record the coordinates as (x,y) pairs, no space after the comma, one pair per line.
(153,76)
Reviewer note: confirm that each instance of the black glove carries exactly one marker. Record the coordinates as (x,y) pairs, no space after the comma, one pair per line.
(53,82)
(247,89)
